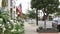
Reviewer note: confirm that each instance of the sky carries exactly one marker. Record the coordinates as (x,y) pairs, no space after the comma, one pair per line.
(25,5)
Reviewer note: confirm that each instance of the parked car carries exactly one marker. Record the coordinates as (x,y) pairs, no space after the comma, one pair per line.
(56,24)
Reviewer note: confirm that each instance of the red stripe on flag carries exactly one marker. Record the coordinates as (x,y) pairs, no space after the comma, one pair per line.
(20,9)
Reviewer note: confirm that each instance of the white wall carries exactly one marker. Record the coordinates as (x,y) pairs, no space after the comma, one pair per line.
(0,3)
(48,24)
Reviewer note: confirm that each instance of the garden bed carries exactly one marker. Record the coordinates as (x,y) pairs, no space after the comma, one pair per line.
(47,30)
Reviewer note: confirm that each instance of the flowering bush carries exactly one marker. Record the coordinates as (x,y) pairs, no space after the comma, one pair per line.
(8,26)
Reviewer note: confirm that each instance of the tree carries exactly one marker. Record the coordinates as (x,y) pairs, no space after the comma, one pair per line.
(48,7)
(31,14)
(24,16)
(58,13)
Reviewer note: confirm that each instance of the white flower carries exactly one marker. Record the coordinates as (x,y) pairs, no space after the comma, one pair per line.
(9,26)
(19,30)
(0,24)
(18,23)
(16,15)
(15,30)
(11,20)
(8,22)
(14,23)
(1,19)
(18,12)
(12,30)
(4,29)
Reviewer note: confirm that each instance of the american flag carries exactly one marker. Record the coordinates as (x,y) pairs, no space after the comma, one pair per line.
(20,9)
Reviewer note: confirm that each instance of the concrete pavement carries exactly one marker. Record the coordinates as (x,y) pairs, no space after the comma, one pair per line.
(31,29)
(50,33)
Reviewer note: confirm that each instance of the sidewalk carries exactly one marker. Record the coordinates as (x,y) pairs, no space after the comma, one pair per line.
(29,29)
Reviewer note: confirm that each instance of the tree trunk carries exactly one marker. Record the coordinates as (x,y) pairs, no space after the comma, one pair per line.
(45,17)
(36,17)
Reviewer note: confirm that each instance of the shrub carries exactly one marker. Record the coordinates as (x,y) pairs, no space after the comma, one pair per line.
(8,26)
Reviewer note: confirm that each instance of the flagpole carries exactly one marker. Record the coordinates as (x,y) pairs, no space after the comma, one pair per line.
(28,5)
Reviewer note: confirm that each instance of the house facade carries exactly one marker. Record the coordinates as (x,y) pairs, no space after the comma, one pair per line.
(10,4)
